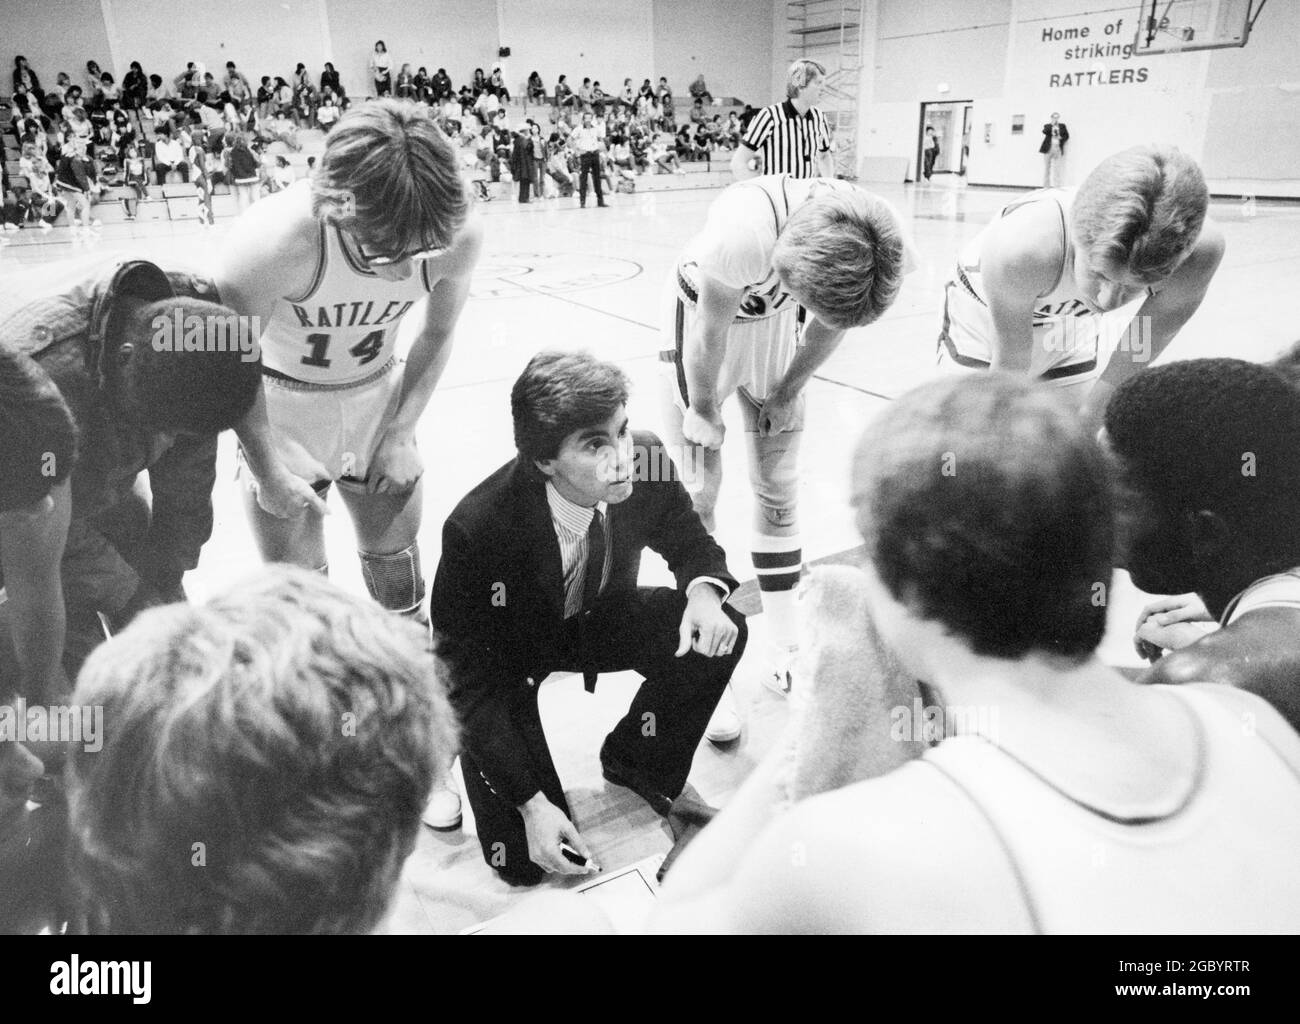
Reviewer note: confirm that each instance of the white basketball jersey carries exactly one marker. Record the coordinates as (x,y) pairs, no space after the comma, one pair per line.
(344,327)
(1066,329)
(1222,860)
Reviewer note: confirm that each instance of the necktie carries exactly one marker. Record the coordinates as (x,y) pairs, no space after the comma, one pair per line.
(595,560)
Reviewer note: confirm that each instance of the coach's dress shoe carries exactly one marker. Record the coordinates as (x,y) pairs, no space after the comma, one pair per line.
(619,772)
(442,812)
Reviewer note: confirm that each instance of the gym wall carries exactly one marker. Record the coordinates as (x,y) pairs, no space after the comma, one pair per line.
(730,41)
(1237,111)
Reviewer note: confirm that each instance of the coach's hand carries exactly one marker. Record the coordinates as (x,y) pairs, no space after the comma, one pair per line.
(780,412)
(396,467)
(705,626)
(703,430)
(546,826)
(284,495)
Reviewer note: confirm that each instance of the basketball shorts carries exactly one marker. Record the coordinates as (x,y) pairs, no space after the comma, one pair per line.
(328,432)
(759,351)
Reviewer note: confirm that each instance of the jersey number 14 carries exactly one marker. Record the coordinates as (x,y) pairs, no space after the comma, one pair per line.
(365,350)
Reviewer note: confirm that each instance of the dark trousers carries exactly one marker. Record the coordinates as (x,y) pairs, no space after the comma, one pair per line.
(658,735)
(589,165)
(525,182)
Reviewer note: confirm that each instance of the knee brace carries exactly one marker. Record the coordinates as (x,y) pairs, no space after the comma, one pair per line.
(395,581)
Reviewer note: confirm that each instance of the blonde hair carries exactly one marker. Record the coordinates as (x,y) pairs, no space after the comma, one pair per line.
(842,255)
(800,74)
(390,174)
(1141,209)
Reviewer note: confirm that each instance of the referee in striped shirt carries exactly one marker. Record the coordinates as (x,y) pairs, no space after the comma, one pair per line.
(791,137)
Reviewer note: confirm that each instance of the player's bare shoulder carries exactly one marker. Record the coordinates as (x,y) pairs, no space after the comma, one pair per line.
(1026,248)
(271,250)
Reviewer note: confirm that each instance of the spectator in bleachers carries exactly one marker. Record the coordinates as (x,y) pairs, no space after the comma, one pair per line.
(194,146)
(585,96)
(108,90)
(281,98)
(639,148)
(536,92)
(265,97)
(327,114)
(52,106)
(223,695)
(168,156)
(667,111)
(626,99)
(245,171)
(557,168)
(380,74)
(43,206)
(93,77)
(699,91)
(563,94)
(135,177)
(497,84)
(305,97)
(25,81)
(486,107)
(329,78)
(159,93)
(664,158)
(282,177)
(442,87)
(478,83)
(405,87)
(76,182)
(135,87)
(236,87)
(422,86)
(598,99)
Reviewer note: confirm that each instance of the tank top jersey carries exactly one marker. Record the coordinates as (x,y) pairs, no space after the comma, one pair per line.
(1281,590)
(1066,330)
(1220,859)
(736,244)
(343,328)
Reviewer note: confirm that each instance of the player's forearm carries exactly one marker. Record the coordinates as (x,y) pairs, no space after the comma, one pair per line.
(254,433)
(424,367)
(702,357)
(818,345)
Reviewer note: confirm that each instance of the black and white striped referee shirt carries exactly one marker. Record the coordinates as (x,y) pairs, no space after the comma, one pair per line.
(789,143)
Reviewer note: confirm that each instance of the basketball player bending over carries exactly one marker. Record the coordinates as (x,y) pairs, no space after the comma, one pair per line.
(331,266)
(1029,291)
(760,298)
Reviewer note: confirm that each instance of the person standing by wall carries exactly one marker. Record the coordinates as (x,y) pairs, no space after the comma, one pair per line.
(1055,135)
(931,151)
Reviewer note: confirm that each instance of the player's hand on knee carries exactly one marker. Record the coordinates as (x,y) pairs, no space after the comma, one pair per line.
(779,413)
(703,430)
(706,628)
(546,828)
(286,496)
(396,467)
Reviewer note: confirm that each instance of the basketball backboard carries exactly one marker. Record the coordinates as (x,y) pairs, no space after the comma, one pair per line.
(1178,26)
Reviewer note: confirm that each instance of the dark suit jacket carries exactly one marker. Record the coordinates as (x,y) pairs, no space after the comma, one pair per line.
(1047,136)
(498,597)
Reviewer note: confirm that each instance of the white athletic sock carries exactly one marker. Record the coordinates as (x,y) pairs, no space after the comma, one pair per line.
(777,562)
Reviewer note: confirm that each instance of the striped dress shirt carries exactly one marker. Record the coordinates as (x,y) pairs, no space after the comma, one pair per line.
(571,524)
(790,143)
